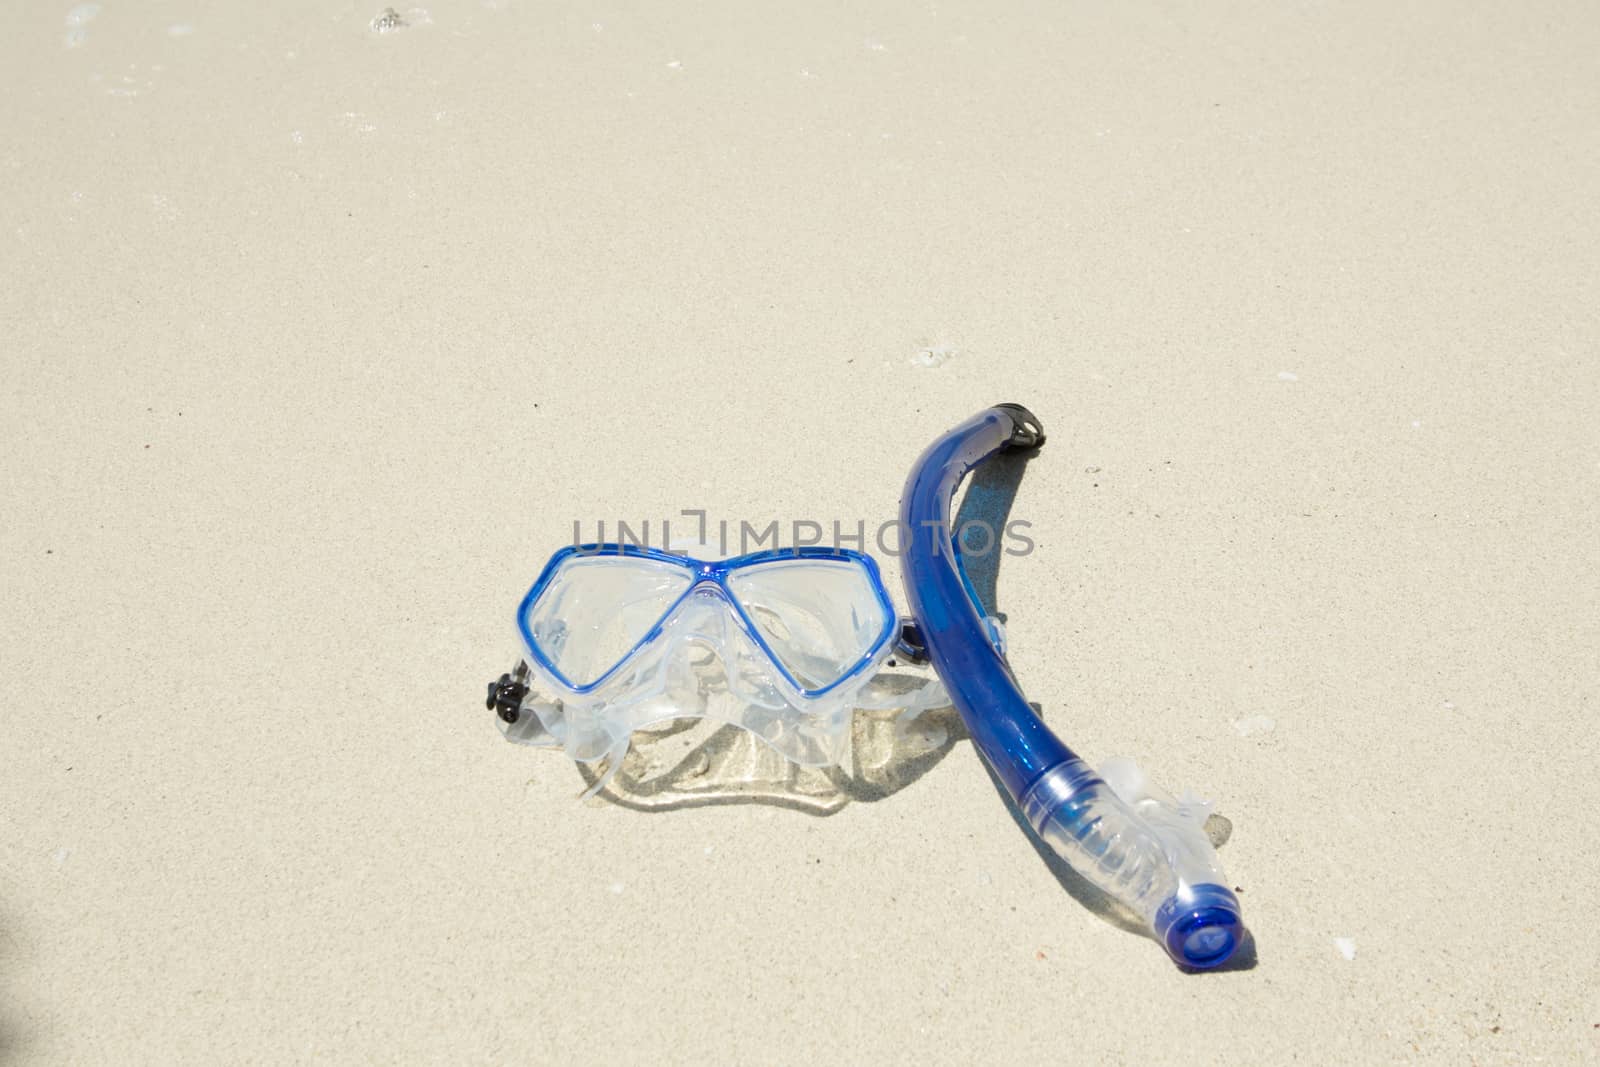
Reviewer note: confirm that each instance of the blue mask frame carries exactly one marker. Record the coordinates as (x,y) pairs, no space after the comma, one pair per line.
(714,573)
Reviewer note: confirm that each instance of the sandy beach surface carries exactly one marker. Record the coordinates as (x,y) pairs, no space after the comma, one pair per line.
(317,340)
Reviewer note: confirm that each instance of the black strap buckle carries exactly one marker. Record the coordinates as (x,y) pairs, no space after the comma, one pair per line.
(506,693)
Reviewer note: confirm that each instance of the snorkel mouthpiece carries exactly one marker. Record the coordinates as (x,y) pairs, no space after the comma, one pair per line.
(1151,856)
(1203,929)
(1137,844)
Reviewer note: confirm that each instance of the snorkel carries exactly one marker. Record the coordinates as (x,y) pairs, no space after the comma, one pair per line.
(1130,840)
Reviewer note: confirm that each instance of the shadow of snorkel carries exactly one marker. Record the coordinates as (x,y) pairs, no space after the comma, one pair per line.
(986,506)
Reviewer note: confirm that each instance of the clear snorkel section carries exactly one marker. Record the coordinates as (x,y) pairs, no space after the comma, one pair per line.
(1137,844)
(1149,854)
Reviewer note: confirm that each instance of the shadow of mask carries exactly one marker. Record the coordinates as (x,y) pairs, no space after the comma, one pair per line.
(686,763)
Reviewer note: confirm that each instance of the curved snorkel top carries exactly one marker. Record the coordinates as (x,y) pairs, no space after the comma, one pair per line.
(1129,839)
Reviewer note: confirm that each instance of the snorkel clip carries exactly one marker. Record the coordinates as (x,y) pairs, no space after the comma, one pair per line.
(1026,430)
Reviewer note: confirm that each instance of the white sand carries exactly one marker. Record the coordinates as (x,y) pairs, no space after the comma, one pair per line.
(316,341)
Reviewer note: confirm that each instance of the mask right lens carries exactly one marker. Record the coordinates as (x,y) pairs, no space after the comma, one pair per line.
(819,617)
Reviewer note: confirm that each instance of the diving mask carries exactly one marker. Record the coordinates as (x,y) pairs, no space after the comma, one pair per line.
(780,642)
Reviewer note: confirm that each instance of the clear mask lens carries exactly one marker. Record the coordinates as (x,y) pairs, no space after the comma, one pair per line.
(818,618)
(595,610)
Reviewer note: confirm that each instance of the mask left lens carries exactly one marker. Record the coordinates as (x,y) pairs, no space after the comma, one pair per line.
(596,609)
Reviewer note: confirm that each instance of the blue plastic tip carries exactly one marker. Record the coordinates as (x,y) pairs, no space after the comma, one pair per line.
(1201,927)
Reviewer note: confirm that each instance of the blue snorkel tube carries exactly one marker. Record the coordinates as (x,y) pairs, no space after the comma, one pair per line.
(1135,844)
